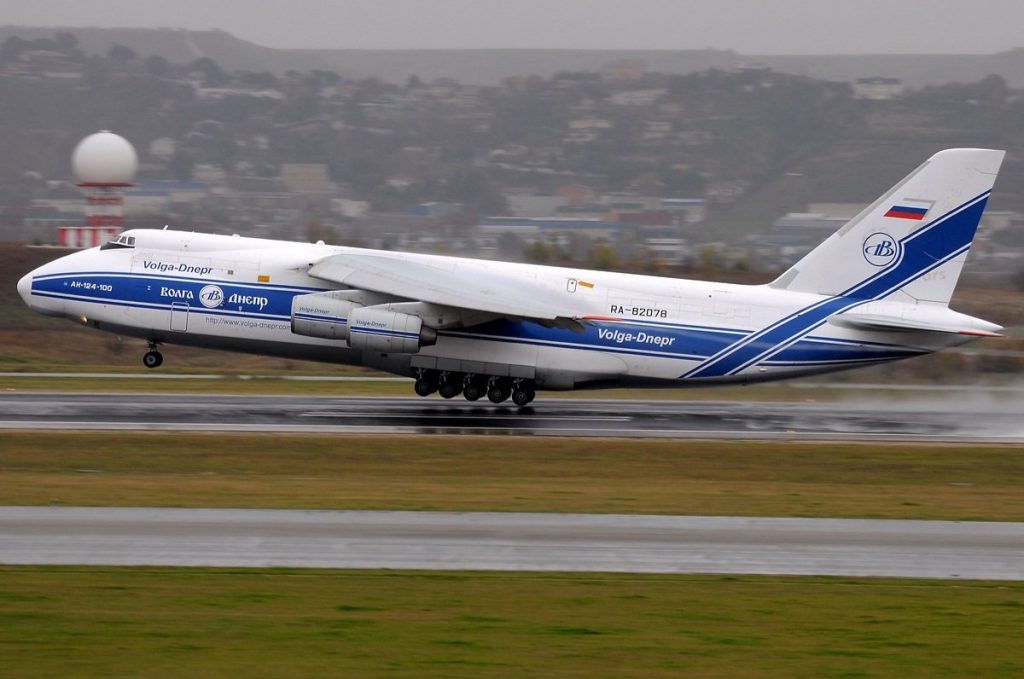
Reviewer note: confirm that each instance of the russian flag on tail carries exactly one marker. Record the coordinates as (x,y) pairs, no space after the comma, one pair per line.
(906,210)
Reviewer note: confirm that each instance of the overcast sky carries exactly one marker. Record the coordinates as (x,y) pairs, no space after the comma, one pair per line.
(748,26)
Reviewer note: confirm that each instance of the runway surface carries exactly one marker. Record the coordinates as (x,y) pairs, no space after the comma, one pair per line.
(959,418)
(518,542)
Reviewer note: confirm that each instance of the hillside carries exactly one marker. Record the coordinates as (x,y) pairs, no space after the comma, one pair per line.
(491,66)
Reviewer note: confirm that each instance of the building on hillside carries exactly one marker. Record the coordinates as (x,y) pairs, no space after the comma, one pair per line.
(435,209)
(531,205)
(44,64)
(636,97)
(540,228)
(624,69)
(305,177)
(878,88)
(575,195)
(156,196)
(670,251)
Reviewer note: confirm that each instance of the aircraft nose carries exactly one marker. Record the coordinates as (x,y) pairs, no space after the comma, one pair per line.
(25,288)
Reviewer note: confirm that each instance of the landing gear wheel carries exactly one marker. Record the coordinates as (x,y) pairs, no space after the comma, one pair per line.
(499,391)
(425,387)
(474,389)
(152,359)
(426,382)
(450,387)
(523,394)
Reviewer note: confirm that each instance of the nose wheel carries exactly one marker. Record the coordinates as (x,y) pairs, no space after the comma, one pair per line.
(152,358)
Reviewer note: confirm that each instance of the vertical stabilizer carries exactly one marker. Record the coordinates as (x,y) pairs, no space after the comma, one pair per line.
(914,239)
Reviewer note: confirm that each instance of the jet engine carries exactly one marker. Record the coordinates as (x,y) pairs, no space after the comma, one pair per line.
(344,314)
(322,314)
(389,332)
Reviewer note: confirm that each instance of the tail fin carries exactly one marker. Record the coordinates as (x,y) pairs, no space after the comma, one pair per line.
(914,239)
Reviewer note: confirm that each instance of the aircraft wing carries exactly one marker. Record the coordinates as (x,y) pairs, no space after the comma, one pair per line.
(447,281)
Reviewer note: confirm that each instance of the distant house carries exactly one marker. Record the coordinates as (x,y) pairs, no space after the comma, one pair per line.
(656,129)
(305,177)
(624,69)
(532,205)
(346,207)
(575,194)
(47,64)
(162,148)
(152,196)
(636,97)
(547,227)
(673,251)
(590,123)
(221,93)
(878,88)
(436,209)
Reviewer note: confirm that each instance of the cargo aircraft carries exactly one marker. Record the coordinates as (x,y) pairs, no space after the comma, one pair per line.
(877,290)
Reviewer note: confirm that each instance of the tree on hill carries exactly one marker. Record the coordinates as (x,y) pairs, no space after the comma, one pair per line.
(213,74)
(122,54)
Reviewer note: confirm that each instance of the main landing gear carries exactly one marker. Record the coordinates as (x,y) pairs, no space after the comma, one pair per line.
(152,358)
(475,387)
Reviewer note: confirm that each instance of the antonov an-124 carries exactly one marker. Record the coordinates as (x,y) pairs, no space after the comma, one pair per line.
(877,290)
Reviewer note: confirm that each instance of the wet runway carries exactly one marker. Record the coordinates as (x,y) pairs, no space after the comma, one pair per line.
(519,542)
(964,418)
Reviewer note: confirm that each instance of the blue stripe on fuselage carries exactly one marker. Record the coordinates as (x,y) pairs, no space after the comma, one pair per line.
(158,291)
(623,336)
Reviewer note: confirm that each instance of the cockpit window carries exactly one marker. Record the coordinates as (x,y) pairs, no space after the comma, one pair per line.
(123,241)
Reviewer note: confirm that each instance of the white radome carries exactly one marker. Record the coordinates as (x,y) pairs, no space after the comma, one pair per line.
(104,158)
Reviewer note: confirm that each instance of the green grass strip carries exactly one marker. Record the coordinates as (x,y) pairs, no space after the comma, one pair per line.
(469,473)
(161,622)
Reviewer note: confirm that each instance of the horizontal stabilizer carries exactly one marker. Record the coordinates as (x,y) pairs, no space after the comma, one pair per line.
(973,326)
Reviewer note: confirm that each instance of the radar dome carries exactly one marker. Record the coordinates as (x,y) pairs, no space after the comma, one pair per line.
(104,158)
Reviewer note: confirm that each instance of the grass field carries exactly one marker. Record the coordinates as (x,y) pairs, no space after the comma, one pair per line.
(199,623)
(513,474)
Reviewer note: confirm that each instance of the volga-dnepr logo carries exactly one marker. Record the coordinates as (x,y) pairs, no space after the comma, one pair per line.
(211,296)
(880,249)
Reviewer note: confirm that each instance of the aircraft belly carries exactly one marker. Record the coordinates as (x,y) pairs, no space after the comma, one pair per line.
(482,350)
(582,361)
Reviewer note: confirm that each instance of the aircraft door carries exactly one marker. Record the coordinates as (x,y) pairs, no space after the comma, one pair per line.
(179,317)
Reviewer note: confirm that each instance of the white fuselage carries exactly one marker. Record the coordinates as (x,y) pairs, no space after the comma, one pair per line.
(234,293)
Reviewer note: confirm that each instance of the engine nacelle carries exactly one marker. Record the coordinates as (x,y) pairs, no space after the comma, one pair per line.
(322,314)
(388,332)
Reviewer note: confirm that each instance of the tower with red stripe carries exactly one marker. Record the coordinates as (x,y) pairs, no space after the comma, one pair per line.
(104,164)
